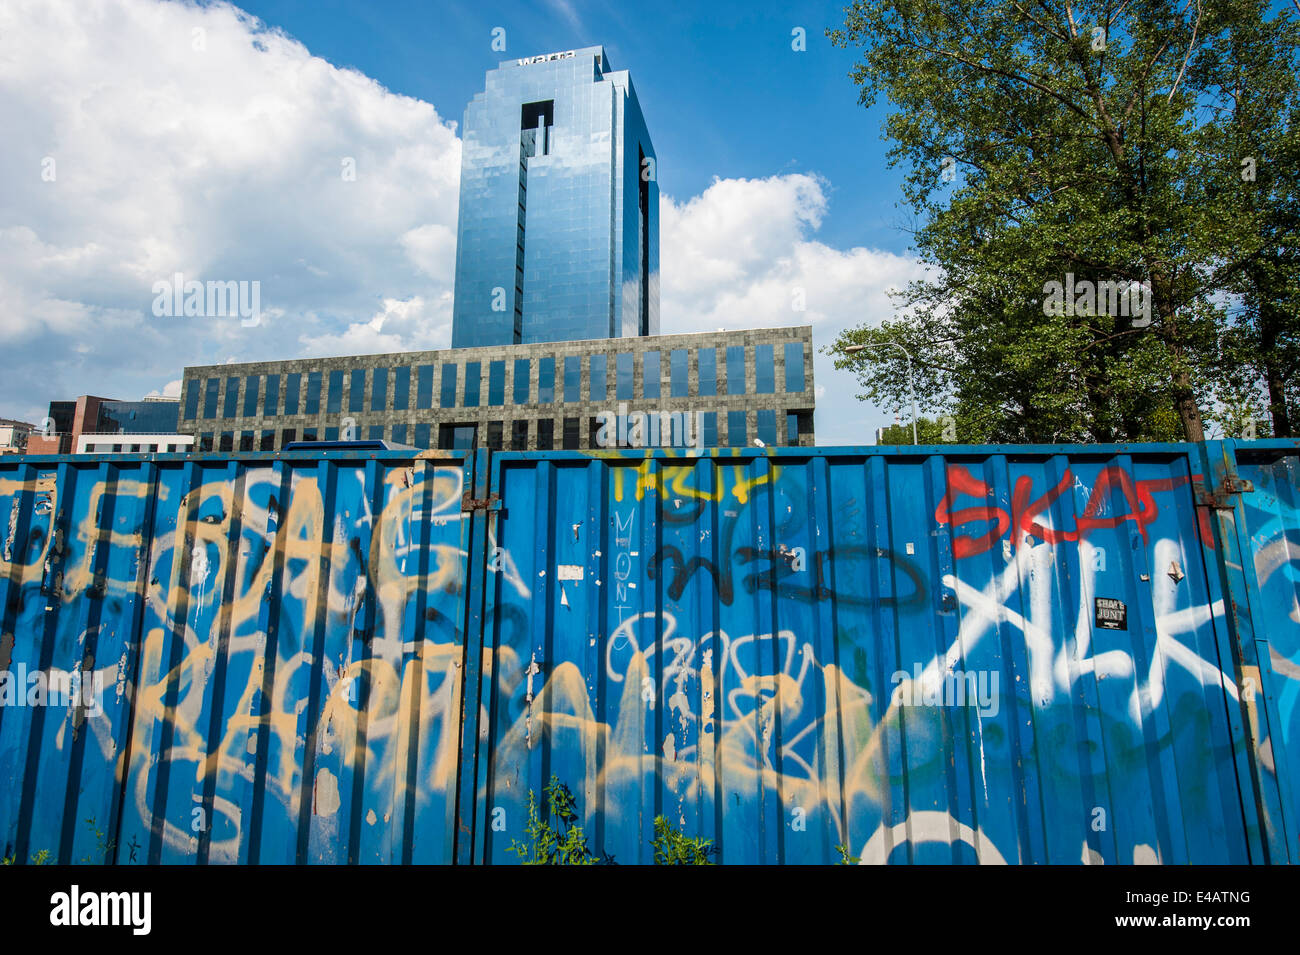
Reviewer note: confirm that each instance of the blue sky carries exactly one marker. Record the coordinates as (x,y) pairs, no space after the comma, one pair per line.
(146,138)
(723,91)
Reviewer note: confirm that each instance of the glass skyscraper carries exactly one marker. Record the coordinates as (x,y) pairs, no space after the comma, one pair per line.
(558,237)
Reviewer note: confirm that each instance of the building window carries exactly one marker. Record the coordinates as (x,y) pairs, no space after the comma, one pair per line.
(522,371)
(593,432)
(494,434)
(519,436)
(572,378)
(376,433)
(245,441)
(545,434)
(766,426)
(422,436)
(312,404)
(210,398)
(597,376)
(623,371)
(792,430)
(309,434)
(192,399)
(448,385)
(292,387)
(709,429)
(230,408)
(331,434)
(545,381)
(473,381)
(424,388)
(266,441)
(227,441)
(496,383)
(764,370)
(271,398)
(401,388)
(379,389)
(736,433)
(251,389)
(571,433)
(334,400)
(399,434)
(708,376)
(650,374)
(288,435)
(735,372)
(357,391)
(681,387)
(458,437)
(794,367)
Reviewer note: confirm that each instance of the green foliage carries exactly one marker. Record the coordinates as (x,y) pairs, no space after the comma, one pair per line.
(845,858)
(928,431)
(672,847)
(1152,143)
(41,857)
(554,836)
(103,845)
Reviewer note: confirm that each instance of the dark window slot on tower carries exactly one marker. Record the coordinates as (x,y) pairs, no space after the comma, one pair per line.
(643,206)
(538,117)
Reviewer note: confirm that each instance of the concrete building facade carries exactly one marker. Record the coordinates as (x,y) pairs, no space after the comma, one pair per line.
(713,389)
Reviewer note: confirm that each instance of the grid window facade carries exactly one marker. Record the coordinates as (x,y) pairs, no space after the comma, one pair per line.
(673,379)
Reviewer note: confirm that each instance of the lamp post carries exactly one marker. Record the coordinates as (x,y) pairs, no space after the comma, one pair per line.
(911,383)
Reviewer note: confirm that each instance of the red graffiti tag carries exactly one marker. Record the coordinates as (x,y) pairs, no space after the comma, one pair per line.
(961,481)
(1138,496)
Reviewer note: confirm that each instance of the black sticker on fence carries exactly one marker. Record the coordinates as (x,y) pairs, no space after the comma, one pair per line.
(1111,614)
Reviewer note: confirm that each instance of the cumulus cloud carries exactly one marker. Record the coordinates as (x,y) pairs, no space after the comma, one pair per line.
(145,139)
(743,254)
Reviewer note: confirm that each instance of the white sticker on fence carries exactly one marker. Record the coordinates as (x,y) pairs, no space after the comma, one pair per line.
(569,572)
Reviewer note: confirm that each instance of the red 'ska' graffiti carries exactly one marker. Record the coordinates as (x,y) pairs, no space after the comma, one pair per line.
(1139,496)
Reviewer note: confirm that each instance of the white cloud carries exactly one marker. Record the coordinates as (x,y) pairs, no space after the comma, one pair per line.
(170,390)
(411,324)
(221,163)
(741,255)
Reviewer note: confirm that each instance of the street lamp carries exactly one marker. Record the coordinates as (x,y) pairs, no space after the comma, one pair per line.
(911,384)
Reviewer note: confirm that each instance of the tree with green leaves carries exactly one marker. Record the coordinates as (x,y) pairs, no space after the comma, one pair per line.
(1106,193)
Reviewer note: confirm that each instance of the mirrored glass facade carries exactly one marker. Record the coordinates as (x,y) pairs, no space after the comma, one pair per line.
(558,235)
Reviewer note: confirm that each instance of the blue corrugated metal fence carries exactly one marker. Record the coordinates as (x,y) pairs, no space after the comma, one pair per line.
(951,654)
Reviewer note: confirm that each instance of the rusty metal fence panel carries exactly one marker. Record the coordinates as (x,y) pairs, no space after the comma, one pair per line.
(955,654)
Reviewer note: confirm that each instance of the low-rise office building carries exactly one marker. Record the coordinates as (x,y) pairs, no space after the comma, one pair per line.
(89,421)
(126,443)
(714,389)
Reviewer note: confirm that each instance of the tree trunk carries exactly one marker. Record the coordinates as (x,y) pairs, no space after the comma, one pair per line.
(1269,323)
(1189,412)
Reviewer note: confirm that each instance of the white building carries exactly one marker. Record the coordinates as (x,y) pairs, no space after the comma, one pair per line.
(133,443)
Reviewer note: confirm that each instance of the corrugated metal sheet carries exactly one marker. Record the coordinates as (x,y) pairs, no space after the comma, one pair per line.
(926,655)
